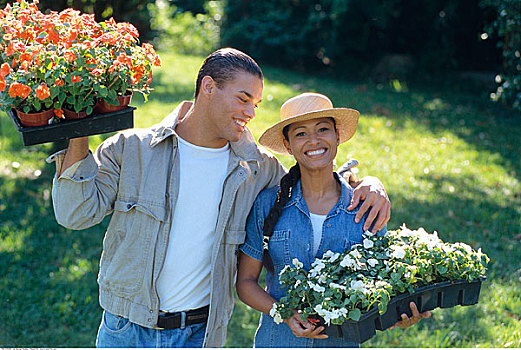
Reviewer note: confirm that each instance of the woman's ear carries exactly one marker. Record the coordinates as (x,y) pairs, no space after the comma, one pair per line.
(286,144)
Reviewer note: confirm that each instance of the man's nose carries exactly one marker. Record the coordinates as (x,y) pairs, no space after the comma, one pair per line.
(250,111)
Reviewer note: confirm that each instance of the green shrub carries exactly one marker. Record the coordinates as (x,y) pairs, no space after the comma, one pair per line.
(185,32)
(507,26)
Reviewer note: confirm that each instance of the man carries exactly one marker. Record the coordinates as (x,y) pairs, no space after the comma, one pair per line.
(180,192)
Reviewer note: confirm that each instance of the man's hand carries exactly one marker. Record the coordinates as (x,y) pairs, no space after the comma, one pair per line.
(371,190)
(304,329)
(416,317)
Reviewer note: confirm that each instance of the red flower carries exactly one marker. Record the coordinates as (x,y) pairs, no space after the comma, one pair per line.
(69,56)
(59,113)
(42,92)
(2,84)
(75,78)
(19,90)
(58,82)
(5,69)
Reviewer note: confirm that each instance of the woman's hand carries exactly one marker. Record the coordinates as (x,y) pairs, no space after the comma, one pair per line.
(304,329)
(409,321)
(371,190)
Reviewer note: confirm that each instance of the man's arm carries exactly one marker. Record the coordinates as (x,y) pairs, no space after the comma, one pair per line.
(78,150)
(371,191)
(368,189)
(85,185)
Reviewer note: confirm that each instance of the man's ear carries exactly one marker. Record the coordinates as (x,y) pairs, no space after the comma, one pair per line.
(208,85)
(286,144)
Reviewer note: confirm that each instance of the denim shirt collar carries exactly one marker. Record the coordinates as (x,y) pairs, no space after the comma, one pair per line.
(297,199)
(245,148)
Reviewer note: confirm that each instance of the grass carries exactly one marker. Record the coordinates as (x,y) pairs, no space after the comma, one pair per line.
(449,159)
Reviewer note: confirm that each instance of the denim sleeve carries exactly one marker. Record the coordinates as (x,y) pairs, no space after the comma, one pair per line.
(253,244)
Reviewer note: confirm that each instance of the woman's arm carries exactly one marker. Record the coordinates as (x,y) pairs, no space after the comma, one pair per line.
(250,292)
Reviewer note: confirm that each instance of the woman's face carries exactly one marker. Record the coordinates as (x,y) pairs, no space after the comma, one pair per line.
(313,143)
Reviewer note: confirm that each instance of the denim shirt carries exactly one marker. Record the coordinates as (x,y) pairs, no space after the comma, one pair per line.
(293,238)
(293,233)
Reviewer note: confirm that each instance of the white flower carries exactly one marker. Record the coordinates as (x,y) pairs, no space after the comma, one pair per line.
(358,286)
(275,314)
(297,263)
(297,283)
(397,252)
(347,261)
(322,278)
(316,287)
(333,285)
(368,233)
(355,253)
(284,270)
(317,265)
(331,256)
(372,262)
(368,243)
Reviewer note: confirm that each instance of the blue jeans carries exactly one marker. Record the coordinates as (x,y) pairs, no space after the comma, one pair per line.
(119,332)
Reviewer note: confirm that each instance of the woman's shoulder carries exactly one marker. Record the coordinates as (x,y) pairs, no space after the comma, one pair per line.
(267,196)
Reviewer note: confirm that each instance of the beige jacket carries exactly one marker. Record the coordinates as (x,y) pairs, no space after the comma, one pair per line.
(134,175)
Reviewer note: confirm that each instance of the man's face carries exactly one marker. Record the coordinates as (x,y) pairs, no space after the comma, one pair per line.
(233,105)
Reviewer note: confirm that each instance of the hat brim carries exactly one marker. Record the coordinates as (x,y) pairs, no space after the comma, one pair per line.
(346,120)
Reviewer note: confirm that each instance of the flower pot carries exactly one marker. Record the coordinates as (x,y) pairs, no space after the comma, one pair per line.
(35,119)
(68,114)
(103,107)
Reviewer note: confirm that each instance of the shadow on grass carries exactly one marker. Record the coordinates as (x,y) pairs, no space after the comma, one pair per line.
(48,289)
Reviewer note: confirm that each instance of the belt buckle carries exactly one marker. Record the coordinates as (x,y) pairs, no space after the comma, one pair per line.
(183,320)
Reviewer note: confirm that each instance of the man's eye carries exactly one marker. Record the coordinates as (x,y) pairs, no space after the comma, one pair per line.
(323,129)
(242,99)
(302,133)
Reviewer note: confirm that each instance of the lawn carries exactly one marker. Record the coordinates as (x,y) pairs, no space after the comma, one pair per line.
(450,161)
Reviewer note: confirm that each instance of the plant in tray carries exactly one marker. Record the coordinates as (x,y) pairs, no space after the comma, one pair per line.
(67,60)
(343,286)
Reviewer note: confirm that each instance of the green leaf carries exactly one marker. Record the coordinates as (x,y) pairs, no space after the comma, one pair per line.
(355,314)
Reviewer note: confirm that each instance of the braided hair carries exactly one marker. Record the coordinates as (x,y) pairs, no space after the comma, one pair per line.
(287,182)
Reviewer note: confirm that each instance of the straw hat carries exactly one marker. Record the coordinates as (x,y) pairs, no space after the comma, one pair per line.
(308,106)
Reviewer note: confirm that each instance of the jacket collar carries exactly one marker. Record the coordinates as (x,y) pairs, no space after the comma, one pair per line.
(298,200)
(245,148)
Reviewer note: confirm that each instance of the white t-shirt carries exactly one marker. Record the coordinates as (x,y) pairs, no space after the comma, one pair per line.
(317,221)
(184,281)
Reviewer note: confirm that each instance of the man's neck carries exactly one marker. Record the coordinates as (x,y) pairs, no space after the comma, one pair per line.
(192,128)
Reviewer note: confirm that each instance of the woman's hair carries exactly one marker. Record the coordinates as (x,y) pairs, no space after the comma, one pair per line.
(287,182)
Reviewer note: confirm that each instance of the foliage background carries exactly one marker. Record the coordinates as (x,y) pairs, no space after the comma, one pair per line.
(448,156)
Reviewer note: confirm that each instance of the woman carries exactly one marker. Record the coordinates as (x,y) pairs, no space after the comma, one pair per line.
(302,218)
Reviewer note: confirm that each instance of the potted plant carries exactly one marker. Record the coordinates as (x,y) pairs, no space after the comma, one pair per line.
(65,62)
(343,287)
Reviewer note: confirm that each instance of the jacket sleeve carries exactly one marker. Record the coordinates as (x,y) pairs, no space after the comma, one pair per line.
(85,192)
(275,171)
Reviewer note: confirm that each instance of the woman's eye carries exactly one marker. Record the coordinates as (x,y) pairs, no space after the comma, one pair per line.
(302,133)
(323,129)
(242,99)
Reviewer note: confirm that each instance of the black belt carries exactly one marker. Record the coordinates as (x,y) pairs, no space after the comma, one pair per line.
(181,319)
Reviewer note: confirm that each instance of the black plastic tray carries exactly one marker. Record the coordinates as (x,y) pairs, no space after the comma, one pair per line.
(444,295)
(68,129)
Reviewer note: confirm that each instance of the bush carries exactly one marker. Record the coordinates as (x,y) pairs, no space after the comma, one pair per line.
(185,32)
(507,26)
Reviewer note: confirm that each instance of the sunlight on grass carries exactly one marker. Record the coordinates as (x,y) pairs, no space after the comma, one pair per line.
(449,160)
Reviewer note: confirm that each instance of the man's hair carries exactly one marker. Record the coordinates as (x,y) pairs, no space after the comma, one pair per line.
(223,64)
